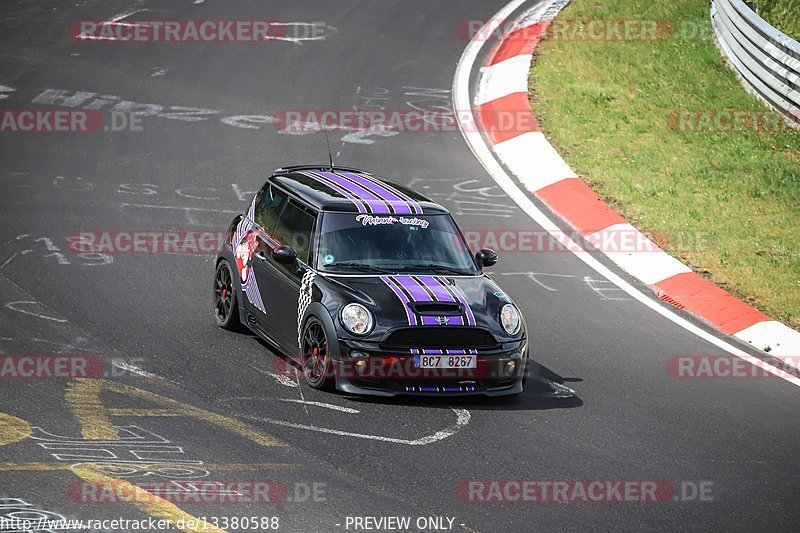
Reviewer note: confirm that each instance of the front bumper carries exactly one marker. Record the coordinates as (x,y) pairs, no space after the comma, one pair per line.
(499,372)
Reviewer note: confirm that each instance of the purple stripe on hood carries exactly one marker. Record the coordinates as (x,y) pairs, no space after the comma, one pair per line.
(428,320)
(412,319)
(418,294)
(441,293)
(410,290)
(458,293)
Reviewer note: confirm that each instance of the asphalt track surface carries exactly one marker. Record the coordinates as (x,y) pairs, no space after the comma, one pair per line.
(628,419)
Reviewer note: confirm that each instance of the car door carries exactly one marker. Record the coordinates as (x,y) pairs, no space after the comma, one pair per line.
(294,228)
(256,290)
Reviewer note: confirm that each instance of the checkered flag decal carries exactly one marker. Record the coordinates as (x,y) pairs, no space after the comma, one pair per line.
(303,301)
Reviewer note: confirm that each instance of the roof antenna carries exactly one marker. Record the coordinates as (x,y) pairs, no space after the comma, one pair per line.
(328,142)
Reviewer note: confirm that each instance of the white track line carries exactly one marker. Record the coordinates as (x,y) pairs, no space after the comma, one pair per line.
(475,141)
(14,306)
(462,419)
(135,370)
(286,381)
(113,21)
(323,405)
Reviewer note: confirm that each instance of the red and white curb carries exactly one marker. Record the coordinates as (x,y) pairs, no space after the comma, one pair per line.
(503,92)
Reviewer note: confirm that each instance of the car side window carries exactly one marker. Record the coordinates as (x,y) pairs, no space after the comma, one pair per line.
(295,229)
(269,206)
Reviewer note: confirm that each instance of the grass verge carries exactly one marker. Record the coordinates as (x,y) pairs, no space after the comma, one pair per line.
(725,203)
(783,14)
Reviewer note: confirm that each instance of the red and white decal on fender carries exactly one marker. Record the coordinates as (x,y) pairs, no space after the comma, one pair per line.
(244,244)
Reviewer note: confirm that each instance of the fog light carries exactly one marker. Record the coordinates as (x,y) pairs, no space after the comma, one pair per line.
(361,366)
(510,368)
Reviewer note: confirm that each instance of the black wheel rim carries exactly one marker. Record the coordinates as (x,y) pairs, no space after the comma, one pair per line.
(315,353)
(223,294)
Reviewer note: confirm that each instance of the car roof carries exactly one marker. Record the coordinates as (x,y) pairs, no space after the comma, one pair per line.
(352,190)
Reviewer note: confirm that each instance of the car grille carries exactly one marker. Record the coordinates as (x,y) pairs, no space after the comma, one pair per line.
(440,337)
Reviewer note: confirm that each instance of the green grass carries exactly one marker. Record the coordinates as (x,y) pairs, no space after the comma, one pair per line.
(783,14)
(727,204)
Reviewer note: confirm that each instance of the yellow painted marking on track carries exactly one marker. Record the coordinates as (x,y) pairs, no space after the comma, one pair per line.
(32,467)
(84,397)
(54,467)
(87,407)
(142,412)
(13,429)
(146,501)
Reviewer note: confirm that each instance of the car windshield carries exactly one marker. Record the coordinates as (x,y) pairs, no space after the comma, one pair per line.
(392,243)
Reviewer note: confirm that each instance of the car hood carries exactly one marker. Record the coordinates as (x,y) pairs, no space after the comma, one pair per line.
(421,300)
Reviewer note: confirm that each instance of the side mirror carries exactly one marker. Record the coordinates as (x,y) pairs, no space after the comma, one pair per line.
(486,257)
(284,254)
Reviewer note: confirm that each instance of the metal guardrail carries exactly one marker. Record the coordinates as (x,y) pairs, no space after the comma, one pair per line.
(768,61)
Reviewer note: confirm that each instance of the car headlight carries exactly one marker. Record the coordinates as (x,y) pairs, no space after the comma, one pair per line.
(509,317)
(357,319)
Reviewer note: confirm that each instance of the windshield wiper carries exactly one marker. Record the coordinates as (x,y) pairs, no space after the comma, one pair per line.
(357,266)
(435,267)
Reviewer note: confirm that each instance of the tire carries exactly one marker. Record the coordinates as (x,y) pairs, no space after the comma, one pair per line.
(226,306)
(315,356)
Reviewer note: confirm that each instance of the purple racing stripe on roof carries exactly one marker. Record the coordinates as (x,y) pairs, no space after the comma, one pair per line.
(400,205)
(383,185)
(377,205)
(413,203)
(360,204)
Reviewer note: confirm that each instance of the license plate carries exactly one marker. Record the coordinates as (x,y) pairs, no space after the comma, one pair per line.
(445,361)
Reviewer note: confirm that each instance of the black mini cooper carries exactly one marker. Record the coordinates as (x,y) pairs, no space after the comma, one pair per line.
(370,287)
